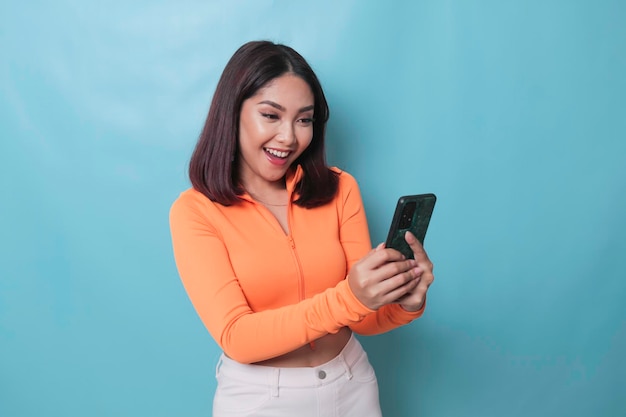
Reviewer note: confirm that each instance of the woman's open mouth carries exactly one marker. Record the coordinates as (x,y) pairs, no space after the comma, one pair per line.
(277,154)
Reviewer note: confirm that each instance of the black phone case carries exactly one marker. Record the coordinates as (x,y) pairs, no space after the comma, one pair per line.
(417,223)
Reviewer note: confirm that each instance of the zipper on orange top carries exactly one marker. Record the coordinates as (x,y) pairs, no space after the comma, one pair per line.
(301,288)
(270,217)
(292,244)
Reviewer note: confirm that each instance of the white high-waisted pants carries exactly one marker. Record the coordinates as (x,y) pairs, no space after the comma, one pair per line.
(346,386)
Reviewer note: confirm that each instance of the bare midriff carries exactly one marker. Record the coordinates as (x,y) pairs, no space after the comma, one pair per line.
(315,354)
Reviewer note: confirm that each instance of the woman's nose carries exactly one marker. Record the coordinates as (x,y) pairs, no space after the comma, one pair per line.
(287,133)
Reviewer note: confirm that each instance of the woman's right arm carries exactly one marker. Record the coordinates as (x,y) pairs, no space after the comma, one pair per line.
(246,336)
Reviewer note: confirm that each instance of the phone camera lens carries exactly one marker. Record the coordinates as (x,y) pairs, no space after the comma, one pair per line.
(407,215)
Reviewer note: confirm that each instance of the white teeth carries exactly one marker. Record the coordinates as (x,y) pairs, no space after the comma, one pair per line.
(277,153)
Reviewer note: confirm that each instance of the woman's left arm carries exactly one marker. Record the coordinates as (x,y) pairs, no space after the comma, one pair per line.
(356,243)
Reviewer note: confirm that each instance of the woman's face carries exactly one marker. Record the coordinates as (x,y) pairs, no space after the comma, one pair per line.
(275,127)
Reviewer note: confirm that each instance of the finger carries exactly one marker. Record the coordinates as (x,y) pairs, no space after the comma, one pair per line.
(425,281)
(380,257)
(426,278)
(398,284)
(417,248)
(404,292)
(391,269)
(406,298)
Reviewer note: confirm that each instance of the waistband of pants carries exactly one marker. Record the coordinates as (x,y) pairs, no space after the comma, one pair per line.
(339,366)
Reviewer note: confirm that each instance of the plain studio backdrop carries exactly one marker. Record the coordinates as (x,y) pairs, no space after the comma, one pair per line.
(512,112)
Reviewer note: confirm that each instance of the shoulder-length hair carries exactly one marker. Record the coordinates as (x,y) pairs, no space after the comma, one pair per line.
(212,169)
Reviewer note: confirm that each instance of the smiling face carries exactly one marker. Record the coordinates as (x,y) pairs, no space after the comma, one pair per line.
(275,127)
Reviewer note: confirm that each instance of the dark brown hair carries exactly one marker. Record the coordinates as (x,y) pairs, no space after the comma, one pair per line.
(212,168)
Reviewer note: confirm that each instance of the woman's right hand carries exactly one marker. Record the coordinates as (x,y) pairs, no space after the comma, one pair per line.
(382,277)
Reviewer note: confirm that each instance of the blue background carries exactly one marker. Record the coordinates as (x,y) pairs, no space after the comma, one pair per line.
(512,112)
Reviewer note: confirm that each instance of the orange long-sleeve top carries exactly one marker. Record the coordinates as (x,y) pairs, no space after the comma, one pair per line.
(262,293)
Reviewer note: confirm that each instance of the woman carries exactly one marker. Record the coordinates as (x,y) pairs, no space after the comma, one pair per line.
(273,249)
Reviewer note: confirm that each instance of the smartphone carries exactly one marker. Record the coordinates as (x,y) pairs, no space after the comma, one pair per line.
(413,213)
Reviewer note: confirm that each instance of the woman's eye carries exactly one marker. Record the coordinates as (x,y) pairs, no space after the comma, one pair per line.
(270,116)
(306,121)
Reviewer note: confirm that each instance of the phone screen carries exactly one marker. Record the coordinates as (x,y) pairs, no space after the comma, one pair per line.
(413,213)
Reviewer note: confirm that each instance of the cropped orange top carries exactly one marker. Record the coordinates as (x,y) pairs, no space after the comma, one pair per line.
(262,293)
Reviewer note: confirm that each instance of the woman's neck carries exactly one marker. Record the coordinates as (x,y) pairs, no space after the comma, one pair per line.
(276,197)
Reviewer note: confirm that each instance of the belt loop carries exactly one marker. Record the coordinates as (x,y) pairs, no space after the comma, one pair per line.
(346,367)
(218,367)
(274,382)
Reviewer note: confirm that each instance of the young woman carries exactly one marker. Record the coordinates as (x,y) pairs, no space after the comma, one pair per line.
(273,249)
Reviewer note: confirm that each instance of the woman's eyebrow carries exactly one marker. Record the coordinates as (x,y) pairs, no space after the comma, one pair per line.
(281,108)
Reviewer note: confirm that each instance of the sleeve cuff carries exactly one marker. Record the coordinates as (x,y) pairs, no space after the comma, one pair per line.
(352,301)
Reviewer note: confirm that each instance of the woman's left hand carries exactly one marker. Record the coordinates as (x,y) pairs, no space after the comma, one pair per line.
(416,298)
